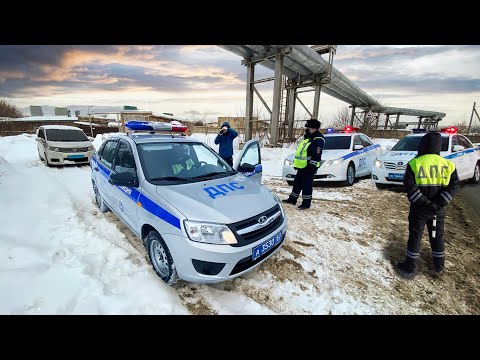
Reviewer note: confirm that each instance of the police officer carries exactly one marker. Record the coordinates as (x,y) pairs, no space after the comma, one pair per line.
(306,162)
(430,182)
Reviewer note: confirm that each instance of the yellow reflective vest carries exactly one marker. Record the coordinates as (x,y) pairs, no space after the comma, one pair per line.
(179,167)
(432,169)
(301,158)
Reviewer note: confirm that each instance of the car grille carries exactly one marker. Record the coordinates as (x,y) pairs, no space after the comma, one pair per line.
(70,150)
(394,166)
(252,236)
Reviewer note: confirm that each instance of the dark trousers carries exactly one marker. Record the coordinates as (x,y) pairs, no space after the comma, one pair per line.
(229,160)
(303,182)
(417,219)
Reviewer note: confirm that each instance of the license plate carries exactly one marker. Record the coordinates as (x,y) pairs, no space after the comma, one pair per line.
(266,245)
(393,176)
(75,156)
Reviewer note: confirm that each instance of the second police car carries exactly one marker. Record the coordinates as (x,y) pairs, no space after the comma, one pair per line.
(389,169)
(346,156)
(199,219)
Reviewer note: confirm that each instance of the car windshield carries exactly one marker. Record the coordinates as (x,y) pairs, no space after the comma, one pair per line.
(410,143)
(337,142)
(65,135)
(170,163)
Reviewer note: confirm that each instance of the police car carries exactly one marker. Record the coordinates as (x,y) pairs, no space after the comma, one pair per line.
(199,219)
(389,169)
(346,155)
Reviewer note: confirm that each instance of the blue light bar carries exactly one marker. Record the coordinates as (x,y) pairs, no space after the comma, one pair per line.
(330,130)
(138,125)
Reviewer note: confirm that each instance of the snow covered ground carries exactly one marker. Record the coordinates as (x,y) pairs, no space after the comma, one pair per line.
(60,255)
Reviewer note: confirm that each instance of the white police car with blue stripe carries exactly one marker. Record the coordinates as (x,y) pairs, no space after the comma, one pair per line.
(389,169)
(200,219)
(346,156)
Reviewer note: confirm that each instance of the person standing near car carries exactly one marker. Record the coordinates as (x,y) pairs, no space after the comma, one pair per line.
(306,162)
(430,182)
(225,141)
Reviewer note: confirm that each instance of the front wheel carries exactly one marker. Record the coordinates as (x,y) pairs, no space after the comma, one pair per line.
(99,199)
(476,174)
(350,175)
(161,258)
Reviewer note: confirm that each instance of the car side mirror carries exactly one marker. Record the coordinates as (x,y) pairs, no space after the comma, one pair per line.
(90,138)
(38,139)
(389,147)
(123,179)
(457,148)
(246,168)
(357,147)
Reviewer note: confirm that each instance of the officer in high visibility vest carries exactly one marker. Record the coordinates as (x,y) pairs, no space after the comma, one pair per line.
(430,182)
(183,160)
(306,162)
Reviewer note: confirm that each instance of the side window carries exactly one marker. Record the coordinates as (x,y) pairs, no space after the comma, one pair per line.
(365,141)
(124,161)
(40,133)
(357,141)
(251,156)
(465,142)
(455,141)
(108,152)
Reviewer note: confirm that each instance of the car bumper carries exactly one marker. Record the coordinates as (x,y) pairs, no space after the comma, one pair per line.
(381,176)
(61,158)
(332,173)
(236,260)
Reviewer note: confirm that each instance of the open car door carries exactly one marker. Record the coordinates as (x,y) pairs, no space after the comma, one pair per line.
(249,161)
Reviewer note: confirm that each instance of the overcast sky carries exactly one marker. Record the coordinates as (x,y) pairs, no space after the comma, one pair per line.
(207,81)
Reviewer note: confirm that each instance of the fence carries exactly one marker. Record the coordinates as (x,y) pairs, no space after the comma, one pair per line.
(9,128)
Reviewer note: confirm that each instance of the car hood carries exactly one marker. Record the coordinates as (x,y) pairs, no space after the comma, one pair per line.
(70,144)
(326,154)
(225,200)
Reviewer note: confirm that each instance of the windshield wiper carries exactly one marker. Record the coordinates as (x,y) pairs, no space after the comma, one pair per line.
(168,178)
(210,174)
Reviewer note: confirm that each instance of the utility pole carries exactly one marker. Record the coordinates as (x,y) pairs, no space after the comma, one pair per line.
(471,117)
(90,120)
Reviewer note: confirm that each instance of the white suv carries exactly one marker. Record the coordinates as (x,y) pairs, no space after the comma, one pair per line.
(61,145)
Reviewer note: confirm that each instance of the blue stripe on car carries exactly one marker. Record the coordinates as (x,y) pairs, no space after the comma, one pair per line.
(357,152)
(460,153)
(147,204)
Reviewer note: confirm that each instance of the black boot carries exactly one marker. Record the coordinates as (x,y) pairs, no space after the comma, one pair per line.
(290,200)
(438,264)
(408,266)
(303,207)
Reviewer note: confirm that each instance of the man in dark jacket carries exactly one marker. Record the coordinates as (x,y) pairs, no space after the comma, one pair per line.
(225,141)
(430,183)
(306,162)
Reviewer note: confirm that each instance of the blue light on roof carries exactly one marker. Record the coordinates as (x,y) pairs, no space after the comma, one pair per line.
(330,130)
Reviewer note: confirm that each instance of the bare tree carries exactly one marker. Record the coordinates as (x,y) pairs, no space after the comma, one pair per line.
(342,118)
(8,110)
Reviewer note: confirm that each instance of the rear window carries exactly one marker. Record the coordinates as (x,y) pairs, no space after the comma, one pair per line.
(65,135)
(410,143)
(337,142)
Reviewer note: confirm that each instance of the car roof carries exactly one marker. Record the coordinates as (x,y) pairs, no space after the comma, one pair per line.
(60,127)
(142,138)
(422,134)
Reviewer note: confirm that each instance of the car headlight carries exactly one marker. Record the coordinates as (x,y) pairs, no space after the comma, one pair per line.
(332,162)
(288,163)
(53,148)
(378,163)
(90,148)
(209,233)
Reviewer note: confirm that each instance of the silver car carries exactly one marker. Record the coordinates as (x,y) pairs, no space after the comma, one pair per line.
(61,145)
(199,219)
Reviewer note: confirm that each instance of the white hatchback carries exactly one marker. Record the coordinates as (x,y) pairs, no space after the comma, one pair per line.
(346,156)
(61,145)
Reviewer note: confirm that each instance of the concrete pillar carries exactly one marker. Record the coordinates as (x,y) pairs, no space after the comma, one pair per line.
(277,89)
(386,121)
(353,116)
(396,122)
(291,96)
(316,101)
(249,104)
